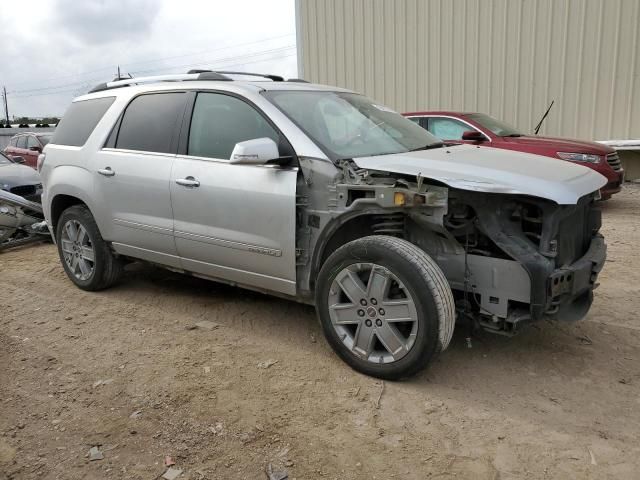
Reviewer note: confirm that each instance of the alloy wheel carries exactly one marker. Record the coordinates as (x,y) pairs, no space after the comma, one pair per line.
(78,250)
(373,313)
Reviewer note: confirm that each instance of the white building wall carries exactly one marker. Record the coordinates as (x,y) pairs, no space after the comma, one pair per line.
(507,58)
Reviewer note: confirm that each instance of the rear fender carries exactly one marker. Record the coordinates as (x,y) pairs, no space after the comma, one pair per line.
(74,182)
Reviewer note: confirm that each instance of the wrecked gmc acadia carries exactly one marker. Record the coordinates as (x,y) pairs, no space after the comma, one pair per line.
(323,196)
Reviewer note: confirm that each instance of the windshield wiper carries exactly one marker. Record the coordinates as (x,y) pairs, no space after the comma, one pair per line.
(428,146)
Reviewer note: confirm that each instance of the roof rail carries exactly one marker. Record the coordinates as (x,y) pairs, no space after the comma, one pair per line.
(203,75)
(190,75)
(275,78)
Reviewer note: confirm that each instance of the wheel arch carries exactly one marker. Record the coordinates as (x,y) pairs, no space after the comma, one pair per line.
(341,230)
(60,203)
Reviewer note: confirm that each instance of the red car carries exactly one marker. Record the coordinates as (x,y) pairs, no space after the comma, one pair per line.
(27,145)
(475,128)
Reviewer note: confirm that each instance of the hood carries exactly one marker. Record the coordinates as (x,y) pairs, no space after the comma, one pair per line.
(560,144)
(493,170)
(15,174)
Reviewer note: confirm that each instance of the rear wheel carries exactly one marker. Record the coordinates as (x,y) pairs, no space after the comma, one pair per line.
(85,256)
(385,306)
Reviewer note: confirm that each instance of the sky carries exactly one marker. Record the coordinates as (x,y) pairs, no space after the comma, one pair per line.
(54,50)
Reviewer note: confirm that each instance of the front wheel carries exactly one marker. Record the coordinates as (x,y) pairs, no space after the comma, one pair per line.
(385,306)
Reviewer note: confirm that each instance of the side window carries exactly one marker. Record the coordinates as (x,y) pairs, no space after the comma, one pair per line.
(417,120)
(22,142)
(220,121)
(79,121)
(14,141)
(447,128)
(32,142)
(150,121)
(422,121)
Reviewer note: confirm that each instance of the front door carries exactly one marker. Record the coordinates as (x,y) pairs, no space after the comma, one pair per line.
(233,222)
(132,178)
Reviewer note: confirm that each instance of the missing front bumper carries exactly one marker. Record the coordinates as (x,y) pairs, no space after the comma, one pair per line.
(571,288)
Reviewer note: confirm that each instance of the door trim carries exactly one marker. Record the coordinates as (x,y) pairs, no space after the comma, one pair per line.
(142,226)
(221,242)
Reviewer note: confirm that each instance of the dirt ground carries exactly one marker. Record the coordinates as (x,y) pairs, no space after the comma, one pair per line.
(126,370)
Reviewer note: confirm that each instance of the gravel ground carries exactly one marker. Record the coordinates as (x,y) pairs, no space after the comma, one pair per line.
(135,372)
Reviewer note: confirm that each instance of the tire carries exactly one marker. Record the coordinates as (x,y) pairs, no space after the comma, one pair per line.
(86,258)
(369,336)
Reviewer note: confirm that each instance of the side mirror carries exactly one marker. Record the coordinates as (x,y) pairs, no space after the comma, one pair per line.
(35,149)
(474,136)
(18,159)
(255,152)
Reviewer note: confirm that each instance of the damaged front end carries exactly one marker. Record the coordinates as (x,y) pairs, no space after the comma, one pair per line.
(524,258)
(21,221)
(509,258)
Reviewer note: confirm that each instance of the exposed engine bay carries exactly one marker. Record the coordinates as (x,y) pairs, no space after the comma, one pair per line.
(509,259)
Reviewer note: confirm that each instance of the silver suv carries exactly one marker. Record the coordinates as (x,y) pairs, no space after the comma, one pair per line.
(323,196)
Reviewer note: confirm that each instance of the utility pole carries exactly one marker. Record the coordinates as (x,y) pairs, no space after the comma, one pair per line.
(118,72)
(6,108)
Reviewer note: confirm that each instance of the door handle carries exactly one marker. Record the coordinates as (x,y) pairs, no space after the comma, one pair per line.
(188,182)
(107,172)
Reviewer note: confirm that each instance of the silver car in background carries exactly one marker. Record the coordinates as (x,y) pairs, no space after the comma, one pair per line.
(323,196)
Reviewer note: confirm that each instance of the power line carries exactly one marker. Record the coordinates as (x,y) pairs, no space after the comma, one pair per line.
(250,55)
(20,93)
(146,62)
(83,83)
(88,84)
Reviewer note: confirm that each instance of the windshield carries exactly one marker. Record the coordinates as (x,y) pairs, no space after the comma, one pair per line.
(44,139)
(4,160)
(347,125)
(499,128)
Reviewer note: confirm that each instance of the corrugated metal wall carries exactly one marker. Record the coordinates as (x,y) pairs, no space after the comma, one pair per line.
(508,58)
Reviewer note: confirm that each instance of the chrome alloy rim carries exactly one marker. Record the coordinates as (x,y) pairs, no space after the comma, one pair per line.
(373,313)
(77,250)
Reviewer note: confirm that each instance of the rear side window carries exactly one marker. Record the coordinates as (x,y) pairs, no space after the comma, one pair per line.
(32,142)
(80,120)
(149,123)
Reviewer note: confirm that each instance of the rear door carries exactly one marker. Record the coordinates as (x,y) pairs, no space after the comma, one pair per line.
(21,148)
(234,222)
(33,150)
(132,175)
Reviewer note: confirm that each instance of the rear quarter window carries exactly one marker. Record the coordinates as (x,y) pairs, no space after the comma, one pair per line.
(80,120)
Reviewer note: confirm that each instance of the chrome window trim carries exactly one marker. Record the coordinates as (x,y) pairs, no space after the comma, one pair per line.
(452,118)
(138,152)
(228,161)
(192,157)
